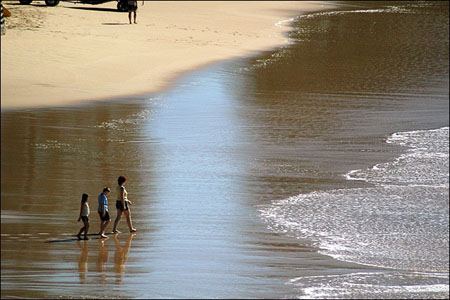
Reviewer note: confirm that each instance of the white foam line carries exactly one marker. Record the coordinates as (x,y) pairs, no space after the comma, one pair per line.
(348,176)
(337,275)
(280,23)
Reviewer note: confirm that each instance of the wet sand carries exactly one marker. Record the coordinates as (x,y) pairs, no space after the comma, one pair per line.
(194,189)
(74,52)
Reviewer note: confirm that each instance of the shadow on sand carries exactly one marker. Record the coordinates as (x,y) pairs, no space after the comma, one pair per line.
(115,23)
(96,9)
(31,4)
(76,239)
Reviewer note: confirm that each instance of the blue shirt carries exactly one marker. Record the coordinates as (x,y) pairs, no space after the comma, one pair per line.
(102,200)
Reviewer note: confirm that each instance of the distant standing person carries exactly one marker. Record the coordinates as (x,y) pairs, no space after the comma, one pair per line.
(2,19)
(84,213)
(122,205)
(132,7)
(105,219)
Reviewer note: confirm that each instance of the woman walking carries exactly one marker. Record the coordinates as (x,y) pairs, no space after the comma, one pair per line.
(122,205)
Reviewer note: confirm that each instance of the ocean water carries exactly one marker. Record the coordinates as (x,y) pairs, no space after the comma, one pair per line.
(397,220)
(399,223)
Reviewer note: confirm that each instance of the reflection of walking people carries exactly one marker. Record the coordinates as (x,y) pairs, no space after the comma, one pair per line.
(103,256)
(120,256)
(122,205)
(105,219)
(132,7)
(84,213)
(82,263)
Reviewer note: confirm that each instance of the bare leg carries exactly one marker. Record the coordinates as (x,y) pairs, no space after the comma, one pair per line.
(135,17)
(129,222)
(86,228)
(80,232)
(129,15)
(116,222)
(102,233)
(101,226)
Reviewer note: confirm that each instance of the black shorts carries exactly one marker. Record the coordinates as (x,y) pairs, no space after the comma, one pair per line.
(119,205)
(85,219)
(106,218)
(132,7)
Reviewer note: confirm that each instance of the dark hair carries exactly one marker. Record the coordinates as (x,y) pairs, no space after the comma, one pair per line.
(106,189)
(84,198)
(121,179)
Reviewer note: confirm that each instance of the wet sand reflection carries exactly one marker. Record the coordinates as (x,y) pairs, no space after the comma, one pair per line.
(121,256)
(103,256)
(83,261)
(103,270)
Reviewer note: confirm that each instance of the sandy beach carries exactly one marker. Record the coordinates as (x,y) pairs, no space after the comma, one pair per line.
(70,53)
(314,170)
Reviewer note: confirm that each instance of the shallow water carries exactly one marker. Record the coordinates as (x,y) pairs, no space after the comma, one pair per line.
(401,223)
(206,157)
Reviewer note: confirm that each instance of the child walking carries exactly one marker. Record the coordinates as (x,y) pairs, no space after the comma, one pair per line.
(84,213)
(105,219)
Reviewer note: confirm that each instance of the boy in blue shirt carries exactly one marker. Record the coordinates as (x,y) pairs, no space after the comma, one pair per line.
(105,219)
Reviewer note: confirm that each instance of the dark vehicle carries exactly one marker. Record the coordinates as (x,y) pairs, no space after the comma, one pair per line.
(48,2)
(121,4)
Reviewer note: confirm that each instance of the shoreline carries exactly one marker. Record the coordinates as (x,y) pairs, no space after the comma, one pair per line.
(96,55)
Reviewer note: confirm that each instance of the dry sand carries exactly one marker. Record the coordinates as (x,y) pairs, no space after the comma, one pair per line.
(62,55)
